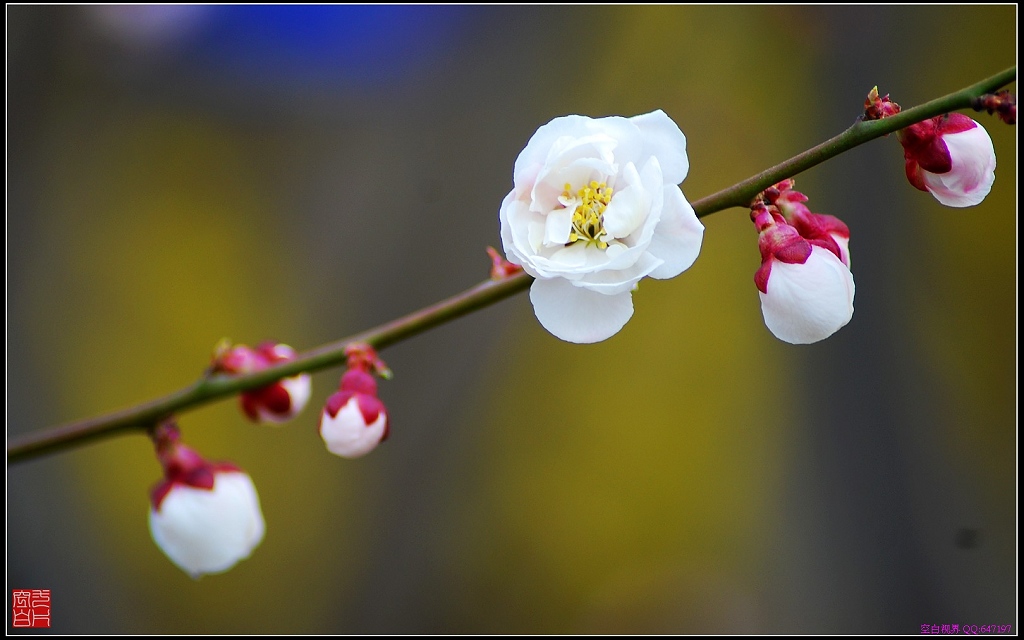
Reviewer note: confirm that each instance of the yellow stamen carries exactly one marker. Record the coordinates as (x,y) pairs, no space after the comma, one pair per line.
(588,217)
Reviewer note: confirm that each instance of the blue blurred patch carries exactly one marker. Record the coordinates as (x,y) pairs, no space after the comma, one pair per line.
(361,44)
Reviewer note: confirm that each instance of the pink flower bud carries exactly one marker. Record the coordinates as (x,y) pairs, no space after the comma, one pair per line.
(877,107)
(828,232)
(807,302)
(1002,103)
(354,421)
(950,156)
(279,401)
(204,516)
(500,267)
(805,285)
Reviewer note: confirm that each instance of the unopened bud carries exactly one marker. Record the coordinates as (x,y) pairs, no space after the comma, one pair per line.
(204,516)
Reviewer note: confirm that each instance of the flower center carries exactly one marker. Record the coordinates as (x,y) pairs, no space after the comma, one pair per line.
(588,218)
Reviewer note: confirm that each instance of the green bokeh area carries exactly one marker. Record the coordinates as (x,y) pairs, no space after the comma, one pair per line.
(690,475)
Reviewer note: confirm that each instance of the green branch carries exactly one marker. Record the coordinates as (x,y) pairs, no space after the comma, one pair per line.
(215,387)
(740,194)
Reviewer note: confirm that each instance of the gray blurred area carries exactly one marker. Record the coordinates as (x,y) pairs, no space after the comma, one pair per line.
(180,174)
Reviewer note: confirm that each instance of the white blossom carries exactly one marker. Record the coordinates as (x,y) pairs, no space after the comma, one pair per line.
(596,207)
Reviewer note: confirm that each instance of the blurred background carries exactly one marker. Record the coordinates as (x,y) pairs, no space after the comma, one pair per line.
(181,174)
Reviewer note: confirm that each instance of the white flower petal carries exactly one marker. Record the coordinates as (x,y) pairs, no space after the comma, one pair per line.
(654,186)
(507,242)
(585,170)
(522,231)
(638,243)
(568,149)
(678,238)
(629,143)
(557,226)
(808,302)
(539,146)
(573,262)
(525,180)
(209,530)
(664,140)
(610,282)
(621,255)
(627,210)
(577,315)
(536,232)
(551,183)
(576,257)
(844,249)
